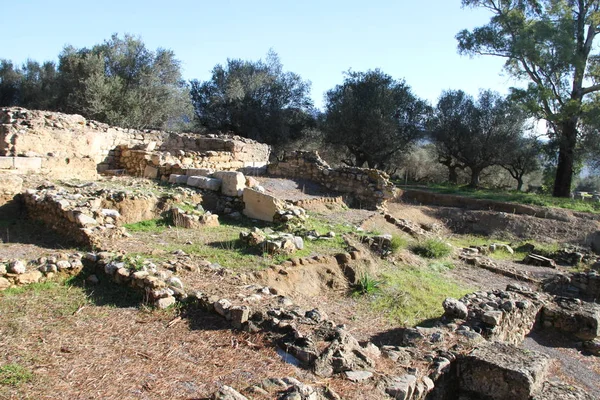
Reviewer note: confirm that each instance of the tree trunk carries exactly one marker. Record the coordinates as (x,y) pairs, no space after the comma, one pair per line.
(475,178)
(519,184)
(452,175)
(566,159)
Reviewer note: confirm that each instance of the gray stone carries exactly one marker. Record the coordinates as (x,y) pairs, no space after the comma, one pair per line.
(165,302)
(63,265)
(239,316)
(175,281)
(298,242)
(562,391)
(492,317)
(499,371)
(454,308)
(358,376)
(17,267)
(199,172)
(181,179)
(202,182)
(402,387)
(222,307)
(228,393)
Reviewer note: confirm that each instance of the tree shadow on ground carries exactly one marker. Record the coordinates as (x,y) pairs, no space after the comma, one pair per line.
(401,336)
(200,319)
(107,292)
(236,245)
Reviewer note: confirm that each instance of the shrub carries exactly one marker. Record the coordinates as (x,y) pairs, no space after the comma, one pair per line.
(432,248)
(397,243)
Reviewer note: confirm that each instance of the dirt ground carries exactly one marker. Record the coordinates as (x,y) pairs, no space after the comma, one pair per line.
(81,343)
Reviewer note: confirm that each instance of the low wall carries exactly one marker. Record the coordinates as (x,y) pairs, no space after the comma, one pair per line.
(72,146)
(368,188)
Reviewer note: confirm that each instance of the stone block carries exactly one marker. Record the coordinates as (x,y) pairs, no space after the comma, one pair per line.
(202,182)
(174,178)
(499,371)
(260,206)
(6,162)
(199,172)
(574,317)
(28,163)
(233,182)
(150,172)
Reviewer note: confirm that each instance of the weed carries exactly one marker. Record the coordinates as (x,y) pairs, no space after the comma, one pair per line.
(397,243)
(367,285)
(135,263)
(14,374)
(441,266)
(432,248)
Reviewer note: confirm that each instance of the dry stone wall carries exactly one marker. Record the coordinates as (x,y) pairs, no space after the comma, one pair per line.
(368,188)
(63,145)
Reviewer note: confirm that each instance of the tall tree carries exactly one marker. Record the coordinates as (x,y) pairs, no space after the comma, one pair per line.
(550,44)
(374,116)
(476,134)
(254,99)
(123,83)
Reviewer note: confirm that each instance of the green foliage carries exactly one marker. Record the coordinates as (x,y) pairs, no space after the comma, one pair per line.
(119,82)
(14,374)
(432,248)
(151,225)
(475,133)
(374,116)
(397,243)
(254,99)
(133,262)
(409,295)
(550,45)
(367,285)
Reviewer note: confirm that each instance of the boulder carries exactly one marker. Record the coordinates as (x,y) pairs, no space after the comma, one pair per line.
(29,277)
(455,309)
(573,316)
(260,206)
(498,371)
(181,179)
(207,172)
(233,182)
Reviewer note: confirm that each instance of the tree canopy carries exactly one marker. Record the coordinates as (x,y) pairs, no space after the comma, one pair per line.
(254,99)
(476,133)
(374,117)
(119,82)
(549,44)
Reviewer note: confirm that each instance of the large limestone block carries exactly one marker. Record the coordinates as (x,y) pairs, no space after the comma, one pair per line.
(260,206)
(498,371)
(574,317)
(233,182)
(199,172)
(202,182)
(174,178)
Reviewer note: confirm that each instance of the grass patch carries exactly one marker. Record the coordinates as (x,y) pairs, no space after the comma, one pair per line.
(432,248)
(367,285)
(517,197)
(152,225)
(34,288)
(409,295)
(521,247)
(14,374)
(397,243)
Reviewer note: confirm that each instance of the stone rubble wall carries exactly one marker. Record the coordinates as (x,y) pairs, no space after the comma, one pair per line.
(72,146)
(368,188)
(579,285)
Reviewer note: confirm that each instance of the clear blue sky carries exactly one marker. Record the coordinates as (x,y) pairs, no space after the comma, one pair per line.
(317,39)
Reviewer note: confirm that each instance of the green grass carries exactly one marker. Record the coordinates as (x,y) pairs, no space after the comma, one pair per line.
(432,248)
(152,225)
(366,285)
(398,243)
(409,295)
(518,197)
(34,288)
(14,374)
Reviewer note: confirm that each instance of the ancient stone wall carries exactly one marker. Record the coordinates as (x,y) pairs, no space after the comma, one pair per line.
(368,188)
(63,145)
